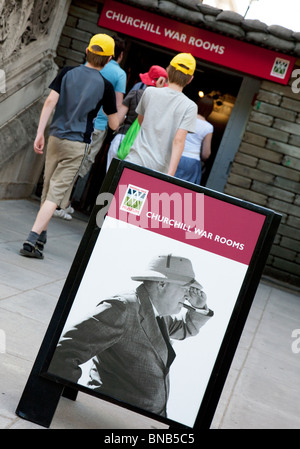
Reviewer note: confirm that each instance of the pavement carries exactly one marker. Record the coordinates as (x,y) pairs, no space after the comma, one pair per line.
(263,383)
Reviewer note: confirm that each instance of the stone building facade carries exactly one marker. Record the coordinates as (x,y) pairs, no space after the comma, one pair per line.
(29,34)
(265,169)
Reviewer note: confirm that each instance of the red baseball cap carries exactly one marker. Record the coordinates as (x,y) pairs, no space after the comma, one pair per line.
(155,72)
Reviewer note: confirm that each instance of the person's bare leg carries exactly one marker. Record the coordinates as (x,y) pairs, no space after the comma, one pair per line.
(44,216)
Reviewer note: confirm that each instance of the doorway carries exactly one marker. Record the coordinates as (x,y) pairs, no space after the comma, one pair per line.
(224,86)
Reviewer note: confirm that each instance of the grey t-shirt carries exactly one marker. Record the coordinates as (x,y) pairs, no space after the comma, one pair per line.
(82,91)
(165,111)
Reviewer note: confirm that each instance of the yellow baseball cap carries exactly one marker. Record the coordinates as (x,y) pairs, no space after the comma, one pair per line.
(105,42)
(186,60)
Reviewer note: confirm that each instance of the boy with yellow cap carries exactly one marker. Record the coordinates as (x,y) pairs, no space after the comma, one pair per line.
(77,93)
(166,115)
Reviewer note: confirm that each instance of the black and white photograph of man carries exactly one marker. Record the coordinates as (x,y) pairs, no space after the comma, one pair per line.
(128,335)
(141,298)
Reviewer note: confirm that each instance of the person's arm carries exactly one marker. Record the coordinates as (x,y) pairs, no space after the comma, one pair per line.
(113,121)
(206,147)
(85,340)
(47,110)
(110,106)
(119,99)
(140,119)
(122,111)
(177,149)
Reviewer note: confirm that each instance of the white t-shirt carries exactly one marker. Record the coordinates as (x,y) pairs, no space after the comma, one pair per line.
(165,111)
(193,141)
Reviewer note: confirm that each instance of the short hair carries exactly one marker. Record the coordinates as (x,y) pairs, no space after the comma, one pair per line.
(120,45)
(205,105)
(178,77)
(96,60)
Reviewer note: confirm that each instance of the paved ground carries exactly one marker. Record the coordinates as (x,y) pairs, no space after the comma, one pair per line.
(262,388)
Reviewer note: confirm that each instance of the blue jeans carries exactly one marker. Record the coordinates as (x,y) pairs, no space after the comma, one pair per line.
(189,169)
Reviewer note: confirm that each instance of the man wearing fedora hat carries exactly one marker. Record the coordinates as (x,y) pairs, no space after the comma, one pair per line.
(127,337)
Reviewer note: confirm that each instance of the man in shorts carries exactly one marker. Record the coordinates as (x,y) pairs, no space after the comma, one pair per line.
(77,93)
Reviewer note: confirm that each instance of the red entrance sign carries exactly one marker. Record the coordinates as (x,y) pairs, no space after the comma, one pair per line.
(202,44)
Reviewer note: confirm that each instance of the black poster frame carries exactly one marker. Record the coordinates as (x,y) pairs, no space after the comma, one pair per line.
(43,390)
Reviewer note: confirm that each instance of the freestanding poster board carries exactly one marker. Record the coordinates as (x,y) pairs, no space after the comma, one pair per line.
(102,339)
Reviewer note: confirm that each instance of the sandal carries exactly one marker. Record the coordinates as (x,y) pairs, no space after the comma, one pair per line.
(40,246)
(31,250)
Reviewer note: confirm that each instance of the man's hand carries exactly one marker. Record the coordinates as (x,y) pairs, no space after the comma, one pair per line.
(196,297)
(39,144)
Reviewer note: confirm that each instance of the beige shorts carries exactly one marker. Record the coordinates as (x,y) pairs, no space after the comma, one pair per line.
(98,138)
(63,160)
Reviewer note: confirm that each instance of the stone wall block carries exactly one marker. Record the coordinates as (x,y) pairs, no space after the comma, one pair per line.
(287,242)
(245,159)
(294,140)
(289,103)
(89,27)
(74,55)
(239,180)
(77,34)
(279,89)
(269,97)
(283,125)
(275,111)
(79,47)
(279,170)
(286,184)
(291,162)
(284,148)
(255,139)
(261,118)
(287,266)
(252,173)
(261,153)
(275,273)
(272,191)
(246,195)
(283,253)
(293,221)
(265,131)
(282,207)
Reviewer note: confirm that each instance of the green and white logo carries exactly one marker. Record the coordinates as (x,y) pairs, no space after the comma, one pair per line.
(134,200)
(280,67)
